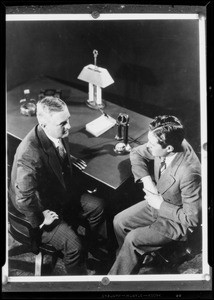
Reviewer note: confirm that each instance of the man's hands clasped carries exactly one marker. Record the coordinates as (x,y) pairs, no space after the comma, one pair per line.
(153,199)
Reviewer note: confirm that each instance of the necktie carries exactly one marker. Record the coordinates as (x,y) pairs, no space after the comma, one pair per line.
(61,149)
(162,166)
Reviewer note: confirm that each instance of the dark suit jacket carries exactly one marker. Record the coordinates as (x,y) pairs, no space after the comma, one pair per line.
(37,182)
(179,185)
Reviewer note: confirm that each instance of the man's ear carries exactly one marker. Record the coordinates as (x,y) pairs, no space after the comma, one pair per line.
(42,120)
(170,148)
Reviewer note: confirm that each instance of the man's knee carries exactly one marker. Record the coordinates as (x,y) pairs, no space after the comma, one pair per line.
(130,238)
(118,222)
(66,239)
(92,204)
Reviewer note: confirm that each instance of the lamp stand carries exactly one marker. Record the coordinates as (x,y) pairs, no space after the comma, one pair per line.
(95,97)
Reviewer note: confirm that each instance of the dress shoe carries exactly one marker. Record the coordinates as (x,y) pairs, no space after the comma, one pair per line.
(91,272)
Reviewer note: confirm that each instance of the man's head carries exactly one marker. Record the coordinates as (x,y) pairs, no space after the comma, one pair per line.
(53,116)
(165,136)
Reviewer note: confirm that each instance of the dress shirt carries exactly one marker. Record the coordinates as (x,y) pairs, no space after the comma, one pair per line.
(168,161)
(55,141)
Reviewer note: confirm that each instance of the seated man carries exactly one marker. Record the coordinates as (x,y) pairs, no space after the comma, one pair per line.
(172,195)
(43,187)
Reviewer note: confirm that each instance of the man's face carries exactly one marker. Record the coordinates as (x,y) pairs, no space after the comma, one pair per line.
(58,124)
(154,147)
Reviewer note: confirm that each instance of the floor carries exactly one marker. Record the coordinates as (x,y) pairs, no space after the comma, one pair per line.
(21,263)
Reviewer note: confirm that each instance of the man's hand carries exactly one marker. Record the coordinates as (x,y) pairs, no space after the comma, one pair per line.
(77,162)
(49,216)
(153,199)
(149,184)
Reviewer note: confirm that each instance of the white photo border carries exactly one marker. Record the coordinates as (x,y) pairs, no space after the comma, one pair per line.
(206,270)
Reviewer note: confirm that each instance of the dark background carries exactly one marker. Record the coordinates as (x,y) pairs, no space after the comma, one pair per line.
(154,63)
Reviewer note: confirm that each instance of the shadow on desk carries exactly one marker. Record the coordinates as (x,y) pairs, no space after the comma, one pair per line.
(98,151)
(108,135)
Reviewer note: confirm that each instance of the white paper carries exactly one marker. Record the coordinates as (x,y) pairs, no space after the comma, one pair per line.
(100,125)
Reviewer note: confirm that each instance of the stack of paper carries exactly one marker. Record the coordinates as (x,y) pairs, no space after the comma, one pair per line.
(100,125)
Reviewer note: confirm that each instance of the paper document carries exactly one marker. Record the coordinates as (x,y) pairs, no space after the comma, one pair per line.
(100,125)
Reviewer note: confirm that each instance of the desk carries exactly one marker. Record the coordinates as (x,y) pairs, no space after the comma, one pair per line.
(103,164)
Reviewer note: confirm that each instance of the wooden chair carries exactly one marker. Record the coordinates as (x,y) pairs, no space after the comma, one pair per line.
(21,230)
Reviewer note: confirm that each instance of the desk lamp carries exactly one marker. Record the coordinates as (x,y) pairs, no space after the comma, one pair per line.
(97,79)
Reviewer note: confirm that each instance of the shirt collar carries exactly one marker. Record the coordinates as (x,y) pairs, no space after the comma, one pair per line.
(169,159)
(54,140)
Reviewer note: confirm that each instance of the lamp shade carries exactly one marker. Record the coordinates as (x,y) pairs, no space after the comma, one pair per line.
(96,75)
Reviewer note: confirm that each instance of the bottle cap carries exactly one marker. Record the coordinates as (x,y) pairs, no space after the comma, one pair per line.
(27,91)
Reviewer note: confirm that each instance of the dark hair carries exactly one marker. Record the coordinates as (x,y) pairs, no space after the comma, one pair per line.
(168,130)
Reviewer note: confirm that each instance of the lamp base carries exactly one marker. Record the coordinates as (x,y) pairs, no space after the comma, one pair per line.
(94,105)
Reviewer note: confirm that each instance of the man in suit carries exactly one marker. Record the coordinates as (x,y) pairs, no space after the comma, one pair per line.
(170,173)
(43,187)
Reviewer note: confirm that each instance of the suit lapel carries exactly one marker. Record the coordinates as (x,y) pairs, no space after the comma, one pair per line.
(165,182)
(51,153)
(67,148)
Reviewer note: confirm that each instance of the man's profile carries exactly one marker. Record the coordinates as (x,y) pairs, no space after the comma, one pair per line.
(172,201)
(43,187)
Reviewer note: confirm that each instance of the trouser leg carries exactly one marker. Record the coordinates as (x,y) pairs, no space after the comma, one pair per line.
(66,240)
(93,212)
(136,243)
(138,215)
